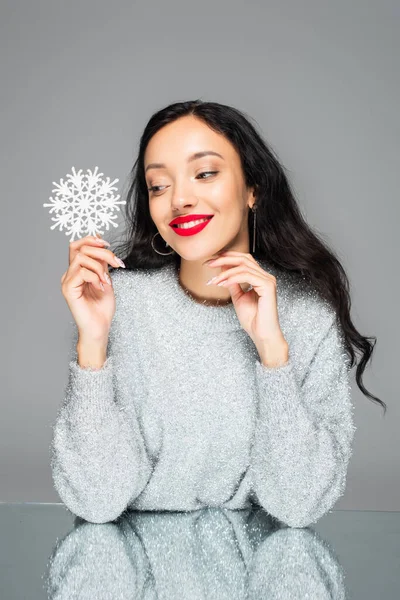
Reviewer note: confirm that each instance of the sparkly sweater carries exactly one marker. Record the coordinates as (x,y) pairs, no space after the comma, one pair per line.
(183,415)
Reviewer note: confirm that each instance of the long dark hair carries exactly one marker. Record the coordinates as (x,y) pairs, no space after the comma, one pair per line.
(282,235)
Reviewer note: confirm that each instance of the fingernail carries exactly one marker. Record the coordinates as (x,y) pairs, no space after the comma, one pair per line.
(101,241)
(120,262)
(211,280)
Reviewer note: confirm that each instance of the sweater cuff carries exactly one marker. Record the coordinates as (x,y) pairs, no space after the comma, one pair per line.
(262,369)
(279,395)
(93,387)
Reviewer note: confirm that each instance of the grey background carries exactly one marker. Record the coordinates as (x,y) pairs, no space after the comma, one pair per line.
(79,80)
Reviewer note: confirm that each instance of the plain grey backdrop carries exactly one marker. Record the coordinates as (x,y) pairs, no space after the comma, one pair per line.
(80,79)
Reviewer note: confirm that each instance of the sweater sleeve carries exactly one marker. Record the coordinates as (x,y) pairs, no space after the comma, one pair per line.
(304,433)
(99,461)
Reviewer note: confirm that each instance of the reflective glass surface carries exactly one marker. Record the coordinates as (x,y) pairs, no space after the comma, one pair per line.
(46,552)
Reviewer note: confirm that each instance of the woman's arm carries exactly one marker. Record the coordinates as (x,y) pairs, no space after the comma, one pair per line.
(98,458)
(304,434)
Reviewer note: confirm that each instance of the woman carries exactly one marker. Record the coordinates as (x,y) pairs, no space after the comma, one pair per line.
(197,383)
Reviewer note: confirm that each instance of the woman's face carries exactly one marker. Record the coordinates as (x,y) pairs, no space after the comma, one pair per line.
(209,185)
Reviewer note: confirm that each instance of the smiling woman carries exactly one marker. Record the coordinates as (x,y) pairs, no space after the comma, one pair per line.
(183,141)
(212,394)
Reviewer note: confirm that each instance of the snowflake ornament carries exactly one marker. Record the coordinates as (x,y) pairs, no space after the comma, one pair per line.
(84,204)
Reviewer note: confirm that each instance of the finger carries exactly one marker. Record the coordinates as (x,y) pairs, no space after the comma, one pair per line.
(260,284)
(241,259)
(83,260)
(75,246)
(88,238)
(83,275)
(241,270)
(88,276)
(105,256)
(98,238)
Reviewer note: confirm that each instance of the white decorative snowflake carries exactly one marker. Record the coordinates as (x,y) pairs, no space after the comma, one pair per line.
(84,204)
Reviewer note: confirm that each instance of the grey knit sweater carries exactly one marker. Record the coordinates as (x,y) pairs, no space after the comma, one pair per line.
(183,415)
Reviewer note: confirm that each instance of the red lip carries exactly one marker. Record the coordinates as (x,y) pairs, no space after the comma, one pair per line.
(187,218)
(191,230)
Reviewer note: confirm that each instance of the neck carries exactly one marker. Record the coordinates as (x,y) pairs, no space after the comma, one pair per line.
(193,281)
(208,301)
(193,276)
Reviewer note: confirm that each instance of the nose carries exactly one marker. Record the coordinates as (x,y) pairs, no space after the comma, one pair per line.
(182,197)
(180,203)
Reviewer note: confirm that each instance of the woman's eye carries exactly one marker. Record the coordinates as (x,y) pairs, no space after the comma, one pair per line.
(155,188)
(207,173)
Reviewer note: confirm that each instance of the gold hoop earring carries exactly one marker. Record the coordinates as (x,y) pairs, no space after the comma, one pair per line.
(155,250)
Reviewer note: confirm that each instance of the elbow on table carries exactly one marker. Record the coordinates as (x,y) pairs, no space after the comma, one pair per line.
(296,519)
(293,520)
(90,506)
(304,511)
(299,521)
(97,514)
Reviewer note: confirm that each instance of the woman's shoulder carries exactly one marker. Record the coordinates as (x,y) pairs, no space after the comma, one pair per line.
(301,301)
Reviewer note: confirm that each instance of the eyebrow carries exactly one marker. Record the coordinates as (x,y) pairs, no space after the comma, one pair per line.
(194,156)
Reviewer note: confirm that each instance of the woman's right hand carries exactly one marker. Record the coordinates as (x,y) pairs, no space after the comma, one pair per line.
(91,307)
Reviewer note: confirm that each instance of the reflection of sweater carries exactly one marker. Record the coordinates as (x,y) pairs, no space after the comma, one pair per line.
(208,554)
(183,415)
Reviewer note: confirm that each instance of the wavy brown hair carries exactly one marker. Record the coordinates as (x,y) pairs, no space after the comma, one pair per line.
(283,237)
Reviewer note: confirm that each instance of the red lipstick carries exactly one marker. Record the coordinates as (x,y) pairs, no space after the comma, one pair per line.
(185,231)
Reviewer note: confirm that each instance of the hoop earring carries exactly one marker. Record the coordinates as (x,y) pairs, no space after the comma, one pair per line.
(254,208)
(155,250)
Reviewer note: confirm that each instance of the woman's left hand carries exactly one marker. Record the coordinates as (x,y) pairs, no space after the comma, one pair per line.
(257,308)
